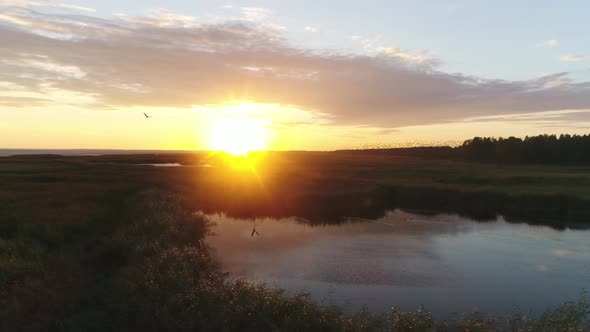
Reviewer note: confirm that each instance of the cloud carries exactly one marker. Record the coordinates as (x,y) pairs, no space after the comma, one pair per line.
(48,4)
(169,60)
(21,101)
(412,58)
(159,17)
(549,43)
(14,20)
(54,69)
(255,13)
(572,58)
(310,28)
(532,117)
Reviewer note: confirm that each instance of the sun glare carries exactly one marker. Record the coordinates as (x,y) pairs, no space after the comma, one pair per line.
(238,135)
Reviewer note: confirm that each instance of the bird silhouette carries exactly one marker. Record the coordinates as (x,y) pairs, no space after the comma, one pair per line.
(254,232)
(147,116)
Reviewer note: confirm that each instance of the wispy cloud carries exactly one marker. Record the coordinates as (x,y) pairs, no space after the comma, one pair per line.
(14,20)
(167,60)
(549,43)
(310,28)
(572,58)
(255,13)
(405,56)
(48,4)
(531,117)
(41,63)
(158,17)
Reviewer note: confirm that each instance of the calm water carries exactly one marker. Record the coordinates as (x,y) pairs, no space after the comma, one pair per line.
(448,263)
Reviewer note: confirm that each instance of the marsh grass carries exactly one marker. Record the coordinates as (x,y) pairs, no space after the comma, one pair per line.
(568,317)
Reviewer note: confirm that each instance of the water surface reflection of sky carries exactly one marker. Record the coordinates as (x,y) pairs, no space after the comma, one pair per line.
(445,262)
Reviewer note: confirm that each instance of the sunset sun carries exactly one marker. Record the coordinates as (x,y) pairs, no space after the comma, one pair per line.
(238,135)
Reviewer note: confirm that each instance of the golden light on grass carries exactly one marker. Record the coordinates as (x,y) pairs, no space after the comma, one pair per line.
(238,135)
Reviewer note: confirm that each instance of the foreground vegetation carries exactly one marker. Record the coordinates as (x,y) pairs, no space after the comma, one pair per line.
(96,244)
(154,273)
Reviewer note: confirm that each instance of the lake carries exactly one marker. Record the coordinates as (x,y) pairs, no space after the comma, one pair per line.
(445,262)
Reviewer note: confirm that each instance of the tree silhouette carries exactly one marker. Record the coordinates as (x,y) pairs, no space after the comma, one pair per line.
(542,149)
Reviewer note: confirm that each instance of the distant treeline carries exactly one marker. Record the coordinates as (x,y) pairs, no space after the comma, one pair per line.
(542,149)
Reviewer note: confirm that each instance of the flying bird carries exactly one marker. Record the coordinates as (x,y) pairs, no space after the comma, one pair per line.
(147,116)
(254,232)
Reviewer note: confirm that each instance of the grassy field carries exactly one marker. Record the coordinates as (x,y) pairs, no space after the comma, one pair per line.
(315,185)
(102,243)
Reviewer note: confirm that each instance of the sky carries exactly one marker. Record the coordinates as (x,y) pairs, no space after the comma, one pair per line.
(315,75)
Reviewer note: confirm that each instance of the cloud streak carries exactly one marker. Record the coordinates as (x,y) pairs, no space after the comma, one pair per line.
(549,43)
(47,4)
(310,28)
(255,13)
(168,60)
(572,58)
(404,56)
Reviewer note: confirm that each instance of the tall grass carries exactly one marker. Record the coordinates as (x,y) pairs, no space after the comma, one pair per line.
(570,316)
